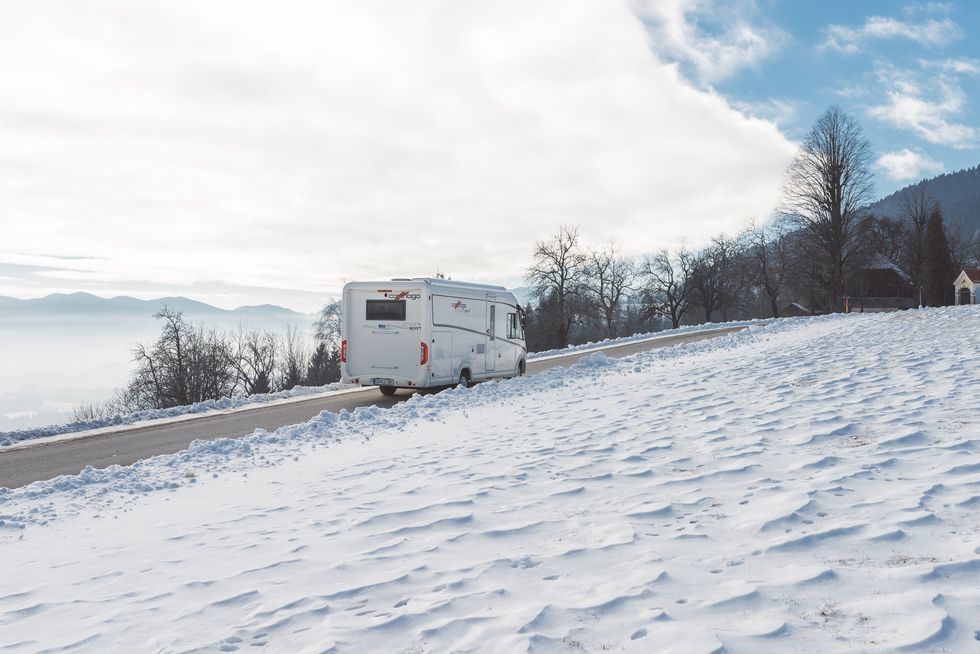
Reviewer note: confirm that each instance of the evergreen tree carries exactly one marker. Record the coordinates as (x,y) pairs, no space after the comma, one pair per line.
(324,366)
(542,325)
(939,271)
(262,383)
(318,369)
(333,365)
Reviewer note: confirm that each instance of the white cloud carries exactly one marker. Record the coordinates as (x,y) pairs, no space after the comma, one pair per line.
(957,66)
(929,33)
(929,111)
(676,33)
(853,92)
(780,112)
(305,143)
(920,8)
(907,165)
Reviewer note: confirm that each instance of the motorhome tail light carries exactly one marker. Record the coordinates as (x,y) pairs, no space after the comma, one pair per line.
(343,351)
(424,355)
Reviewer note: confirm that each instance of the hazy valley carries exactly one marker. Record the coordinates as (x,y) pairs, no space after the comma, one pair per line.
(66,349)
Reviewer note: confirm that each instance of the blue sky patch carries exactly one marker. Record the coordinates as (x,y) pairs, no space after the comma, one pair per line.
(908,71)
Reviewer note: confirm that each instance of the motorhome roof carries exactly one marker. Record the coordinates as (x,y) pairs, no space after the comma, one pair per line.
(434,281)
(431,281)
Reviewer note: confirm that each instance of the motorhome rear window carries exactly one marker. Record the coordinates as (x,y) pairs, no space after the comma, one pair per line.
(386,309)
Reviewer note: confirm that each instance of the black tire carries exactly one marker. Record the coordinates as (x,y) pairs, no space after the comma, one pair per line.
(464,379)
(387,391)
(522,368)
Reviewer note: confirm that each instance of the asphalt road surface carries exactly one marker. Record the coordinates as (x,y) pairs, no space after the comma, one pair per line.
(29,463)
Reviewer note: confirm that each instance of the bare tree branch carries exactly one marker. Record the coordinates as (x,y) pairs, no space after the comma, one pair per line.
(827,186)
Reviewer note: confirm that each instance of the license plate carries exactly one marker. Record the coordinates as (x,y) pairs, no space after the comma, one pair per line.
(383,381)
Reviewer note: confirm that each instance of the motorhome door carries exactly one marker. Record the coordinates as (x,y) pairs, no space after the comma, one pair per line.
(491,348)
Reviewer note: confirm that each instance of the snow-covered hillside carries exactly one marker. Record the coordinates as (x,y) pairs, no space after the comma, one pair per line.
(811,485)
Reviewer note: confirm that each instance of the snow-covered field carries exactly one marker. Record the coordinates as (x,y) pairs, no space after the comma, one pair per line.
(810,485)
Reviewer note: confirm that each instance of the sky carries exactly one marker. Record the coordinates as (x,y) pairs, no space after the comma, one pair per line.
(241,152)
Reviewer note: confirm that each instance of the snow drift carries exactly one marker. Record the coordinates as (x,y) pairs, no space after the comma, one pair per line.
(813,484)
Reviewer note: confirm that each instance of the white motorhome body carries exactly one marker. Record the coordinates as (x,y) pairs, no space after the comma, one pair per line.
(422,333)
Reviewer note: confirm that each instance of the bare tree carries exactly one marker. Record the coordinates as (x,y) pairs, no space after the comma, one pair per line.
(293,362)
(607,280)
(186,364)
(557,271)
(328,325)
(668,289)
(716,277)
(256,360)
(705,282)
(827,185)
(915,207)
(769,251)
(212,375)
(90,411)
(165,364)
(885,237)
(189,364)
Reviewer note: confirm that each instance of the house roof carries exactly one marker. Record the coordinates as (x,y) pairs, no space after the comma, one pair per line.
(884,263)
(973,274)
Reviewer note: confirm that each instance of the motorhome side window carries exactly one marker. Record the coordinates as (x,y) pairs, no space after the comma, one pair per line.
(385,310)
(512,331)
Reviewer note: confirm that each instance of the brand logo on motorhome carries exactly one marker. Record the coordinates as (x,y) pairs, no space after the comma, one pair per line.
(458,304)
(403,296)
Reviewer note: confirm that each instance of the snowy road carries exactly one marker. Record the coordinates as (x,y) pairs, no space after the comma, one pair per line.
(122,446)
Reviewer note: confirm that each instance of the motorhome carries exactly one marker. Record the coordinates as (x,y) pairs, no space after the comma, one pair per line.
(427,333)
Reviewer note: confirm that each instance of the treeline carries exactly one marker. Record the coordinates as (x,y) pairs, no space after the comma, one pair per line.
(823,250)
(959,193)
(189,363)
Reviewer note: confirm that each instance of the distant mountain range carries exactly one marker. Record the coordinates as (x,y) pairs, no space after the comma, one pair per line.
(958,193)
(78,305)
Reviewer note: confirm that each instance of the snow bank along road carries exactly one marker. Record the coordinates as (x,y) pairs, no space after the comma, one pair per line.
(812,485)
(48,458)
